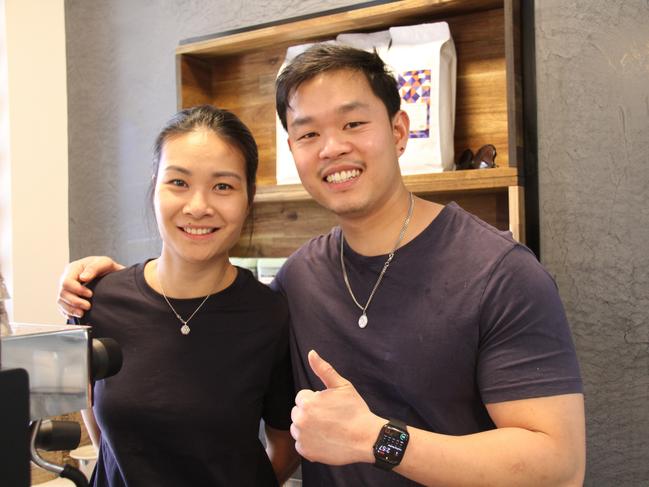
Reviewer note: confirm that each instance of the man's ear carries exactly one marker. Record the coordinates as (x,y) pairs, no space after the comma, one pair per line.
(400,131)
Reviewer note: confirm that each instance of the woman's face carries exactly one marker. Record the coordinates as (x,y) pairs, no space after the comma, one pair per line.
(200,197)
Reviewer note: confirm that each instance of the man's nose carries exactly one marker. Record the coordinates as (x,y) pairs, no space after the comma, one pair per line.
(335,145)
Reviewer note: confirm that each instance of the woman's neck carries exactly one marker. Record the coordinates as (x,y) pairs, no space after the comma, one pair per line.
(185,280)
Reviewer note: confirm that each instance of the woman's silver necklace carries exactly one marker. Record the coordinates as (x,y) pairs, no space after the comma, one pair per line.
(185,329)
(362,321)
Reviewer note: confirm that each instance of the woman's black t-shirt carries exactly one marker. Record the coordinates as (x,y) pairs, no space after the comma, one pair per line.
(185,409)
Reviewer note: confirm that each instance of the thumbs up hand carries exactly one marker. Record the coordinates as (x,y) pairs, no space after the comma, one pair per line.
(333,426)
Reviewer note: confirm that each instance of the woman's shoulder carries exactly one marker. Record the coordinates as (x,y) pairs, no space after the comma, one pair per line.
(256,292)
(124,280)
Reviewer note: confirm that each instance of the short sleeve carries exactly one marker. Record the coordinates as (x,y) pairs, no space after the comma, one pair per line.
(526,348)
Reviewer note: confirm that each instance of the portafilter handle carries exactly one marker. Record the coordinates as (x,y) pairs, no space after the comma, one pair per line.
(65,471)
(106,358)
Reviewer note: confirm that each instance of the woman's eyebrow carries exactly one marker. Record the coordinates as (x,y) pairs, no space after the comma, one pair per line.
(215,174)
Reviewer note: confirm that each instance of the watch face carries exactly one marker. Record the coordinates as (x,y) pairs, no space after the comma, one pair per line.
(391,446)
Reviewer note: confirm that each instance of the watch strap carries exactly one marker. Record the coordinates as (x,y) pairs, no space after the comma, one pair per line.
(398,423)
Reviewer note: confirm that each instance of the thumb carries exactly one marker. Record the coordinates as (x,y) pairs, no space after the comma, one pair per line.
(325,372)
(94,266)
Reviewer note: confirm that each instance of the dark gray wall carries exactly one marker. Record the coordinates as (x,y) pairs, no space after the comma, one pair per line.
(593,116)
(593,103)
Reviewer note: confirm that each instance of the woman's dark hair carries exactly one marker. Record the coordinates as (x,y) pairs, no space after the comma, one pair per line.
(325,57)
(224,124)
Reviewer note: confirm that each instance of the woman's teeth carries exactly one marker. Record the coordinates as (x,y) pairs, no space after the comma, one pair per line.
(198,231)
(342,176)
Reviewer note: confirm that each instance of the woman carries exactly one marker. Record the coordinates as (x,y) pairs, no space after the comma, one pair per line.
(205,345)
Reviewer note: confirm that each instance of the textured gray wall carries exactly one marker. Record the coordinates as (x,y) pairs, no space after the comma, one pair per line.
(593,100)
(593,116)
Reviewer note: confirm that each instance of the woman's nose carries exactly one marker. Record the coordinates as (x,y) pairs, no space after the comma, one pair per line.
(198,205)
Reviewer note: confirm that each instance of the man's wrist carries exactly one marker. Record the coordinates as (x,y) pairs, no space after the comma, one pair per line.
(371,433)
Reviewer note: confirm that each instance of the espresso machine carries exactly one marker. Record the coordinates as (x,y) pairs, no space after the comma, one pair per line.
(45,370)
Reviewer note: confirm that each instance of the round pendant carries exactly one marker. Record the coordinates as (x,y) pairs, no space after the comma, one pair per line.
(185,330)
(362,321)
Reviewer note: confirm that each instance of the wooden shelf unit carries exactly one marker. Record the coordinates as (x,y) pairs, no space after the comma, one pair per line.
(237,71)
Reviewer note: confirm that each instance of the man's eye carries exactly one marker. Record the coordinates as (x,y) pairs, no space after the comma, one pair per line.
(308,135)
(353,125)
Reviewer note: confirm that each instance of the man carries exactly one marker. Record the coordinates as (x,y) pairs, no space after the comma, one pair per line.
(449,360)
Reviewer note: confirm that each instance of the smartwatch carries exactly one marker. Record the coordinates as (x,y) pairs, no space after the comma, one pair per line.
(391,444)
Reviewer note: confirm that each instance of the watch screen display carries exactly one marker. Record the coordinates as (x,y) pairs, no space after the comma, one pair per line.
(392,445)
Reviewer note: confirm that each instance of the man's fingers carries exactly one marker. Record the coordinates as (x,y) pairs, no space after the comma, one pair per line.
(295,431)
(86,269)
(303,397)
(95,266)
(325,372)
(70,303)
(72,300)
(72,288)
(68,310)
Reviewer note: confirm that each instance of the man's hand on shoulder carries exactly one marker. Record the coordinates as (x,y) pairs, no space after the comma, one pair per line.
(73,297)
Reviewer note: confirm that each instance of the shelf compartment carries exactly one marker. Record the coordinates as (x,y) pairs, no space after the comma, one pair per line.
(238,71)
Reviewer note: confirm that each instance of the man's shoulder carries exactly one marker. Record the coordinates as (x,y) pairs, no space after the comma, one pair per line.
(462,244)
(309,257)
(315,248)
(472,229)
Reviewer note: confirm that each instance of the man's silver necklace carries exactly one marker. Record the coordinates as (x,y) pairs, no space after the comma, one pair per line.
(362,321)
(185,329)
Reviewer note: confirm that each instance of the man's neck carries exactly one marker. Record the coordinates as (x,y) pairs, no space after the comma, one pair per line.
(378,232)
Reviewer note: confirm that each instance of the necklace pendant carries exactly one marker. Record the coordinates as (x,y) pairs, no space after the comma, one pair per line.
(185,329)
(362,321)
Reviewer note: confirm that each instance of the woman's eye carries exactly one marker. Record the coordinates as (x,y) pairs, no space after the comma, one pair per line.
(178,182)
(222,186)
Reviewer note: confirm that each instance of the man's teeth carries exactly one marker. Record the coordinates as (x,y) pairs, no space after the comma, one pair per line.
(197,231)
(342,176)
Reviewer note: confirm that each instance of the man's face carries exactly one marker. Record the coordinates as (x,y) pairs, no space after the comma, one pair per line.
(345,147)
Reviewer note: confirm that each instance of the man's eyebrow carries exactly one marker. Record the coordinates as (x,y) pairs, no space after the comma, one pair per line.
(342,109)
(351,106)
(299,121)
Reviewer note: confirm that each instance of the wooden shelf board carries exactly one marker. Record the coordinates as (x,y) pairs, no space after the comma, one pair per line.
(363,19)
(445,182)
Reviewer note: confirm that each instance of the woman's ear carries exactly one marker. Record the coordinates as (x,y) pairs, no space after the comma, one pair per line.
(253,191)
